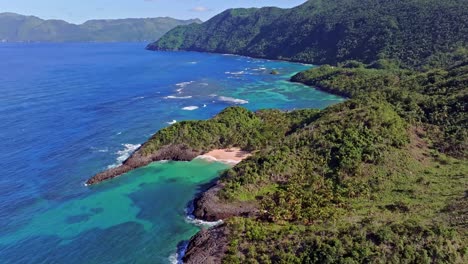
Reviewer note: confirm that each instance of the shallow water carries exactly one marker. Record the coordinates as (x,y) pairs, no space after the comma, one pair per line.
(68,111)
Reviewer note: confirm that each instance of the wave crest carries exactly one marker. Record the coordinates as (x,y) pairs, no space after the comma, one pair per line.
(178,97)
(124,154)
(190,108)
(183,84)
(232,100)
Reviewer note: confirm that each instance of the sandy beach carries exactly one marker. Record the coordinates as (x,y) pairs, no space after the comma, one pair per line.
(230,156)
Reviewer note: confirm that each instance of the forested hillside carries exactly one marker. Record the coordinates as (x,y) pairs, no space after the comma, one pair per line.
(380,178)
(319,31)
(19,28)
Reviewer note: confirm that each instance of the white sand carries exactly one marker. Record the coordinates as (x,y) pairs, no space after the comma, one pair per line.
(230,156)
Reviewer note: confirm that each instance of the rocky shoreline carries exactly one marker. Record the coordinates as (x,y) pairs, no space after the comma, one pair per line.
(209,245)
(176,152)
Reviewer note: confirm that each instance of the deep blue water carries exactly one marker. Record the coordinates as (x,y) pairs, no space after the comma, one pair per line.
(68,111)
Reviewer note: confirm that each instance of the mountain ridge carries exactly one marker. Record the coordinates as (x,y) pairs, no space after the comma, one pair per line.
(27,28)
(321,32)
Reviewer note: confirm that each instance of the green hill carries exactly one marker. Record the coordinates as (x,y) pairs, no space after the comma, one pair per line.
(319,32)
(19,28)
(380,178)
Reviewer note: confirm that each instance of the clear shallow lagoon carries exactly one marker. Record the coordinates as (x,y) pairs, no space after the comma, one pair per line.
(68,111)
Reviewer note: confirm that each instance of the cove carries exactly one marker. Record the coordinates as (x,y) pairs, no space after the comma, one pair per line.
(71,110)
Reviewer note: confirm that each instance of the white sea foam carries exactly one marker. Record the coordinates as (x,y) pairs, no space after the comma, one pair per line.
(124,154)
(232,100)
(183,84)
(178,97)
(190,108)
(172,122)
(174,258)
(103,150)
(236,73)
(192,220)
(204,105)
(193,62)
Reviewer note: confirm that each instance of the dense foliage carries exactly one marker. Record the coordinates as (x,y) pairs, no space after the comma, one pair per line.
(18,28)
(353,183)
(437,97)
(410,32)
(380,178)
(357,243)
(234,126)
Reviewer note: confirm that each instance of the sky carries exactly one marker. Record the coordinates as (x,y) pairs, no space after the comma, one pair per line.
(78,11)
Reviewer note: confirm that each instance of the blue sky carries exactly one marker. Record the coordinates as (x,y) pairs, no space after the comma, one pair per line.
(78,11)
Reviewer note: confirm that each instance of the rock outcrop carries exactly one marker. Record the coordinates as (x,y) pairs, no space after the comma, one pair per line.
(138,159)
(209,207)
(207,246)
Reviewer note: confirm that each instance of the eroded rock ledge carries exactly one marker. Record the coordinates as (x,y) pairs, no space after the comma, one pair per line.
(176,152)
(209,207)
(208,246)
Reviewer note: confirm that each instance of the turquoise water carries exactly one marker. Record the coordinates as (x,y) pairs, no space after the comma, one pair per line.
(68,111)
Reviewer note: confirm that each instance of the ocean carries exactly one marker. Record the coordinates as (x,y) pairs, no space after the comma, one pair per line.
(68,111)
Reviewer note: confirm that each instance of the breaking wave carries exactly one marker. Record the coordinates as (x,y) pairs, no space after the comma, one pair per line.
(178,97)
(190,108)
(124,154)
(232,100)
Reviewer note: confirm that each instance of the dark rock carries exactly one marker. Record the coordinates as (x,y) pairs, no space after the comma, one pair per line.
(209,207)
(178,152)
(274,72)
(208,246)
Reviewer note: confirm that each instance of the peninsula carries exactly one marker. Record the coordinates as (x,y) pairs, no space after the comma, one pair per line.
(379,178)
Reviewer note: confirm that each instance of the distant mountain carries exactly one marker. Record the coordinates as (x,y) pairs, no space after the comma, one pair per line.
(320,31)
(19,28)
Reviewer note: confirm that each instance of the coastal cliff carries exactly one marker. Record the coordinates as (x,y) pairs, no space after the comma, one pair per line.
(208,246)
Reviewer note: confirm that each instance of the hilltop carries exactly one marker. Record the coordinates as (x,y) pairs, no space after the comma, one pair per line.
(19,28)
(328,32)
